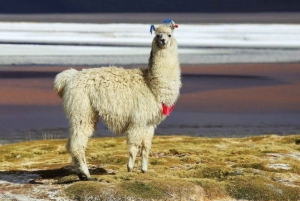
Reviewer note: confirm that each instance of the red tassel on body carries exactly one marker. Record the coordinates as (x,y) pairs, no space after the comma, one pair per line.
(167,110)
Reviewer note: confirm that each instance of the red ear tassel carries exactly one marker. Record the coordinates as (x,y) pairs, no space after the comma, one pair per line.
(176,25)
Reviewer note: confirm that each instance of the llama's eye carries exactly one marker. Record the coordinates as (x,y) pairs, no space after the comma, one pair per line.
(157,36)
(169,36)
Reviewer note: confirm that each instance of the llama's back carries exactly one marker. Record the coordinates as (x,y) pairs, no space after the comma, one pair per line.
(119,97)
(122,97)
(62,79)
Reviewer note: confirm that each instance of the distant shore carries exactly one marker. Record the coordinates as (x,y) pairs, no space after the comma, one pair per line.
(191,18)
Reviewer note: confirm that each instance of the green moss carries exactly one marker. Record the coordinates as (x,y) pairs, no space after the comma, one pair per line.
(190,159)
(158,161)
(142,189)
(48,147)
(291,140)
(145,188)
(210,140)
(215,172)
(63,152)
(295,168)
(174,152)
(258,166)
(242,151)
(108,159)
(260,188)
(88,190)
(108,145)
(17,155)
(256,138)
(213,189)
(38,152)
(150,188)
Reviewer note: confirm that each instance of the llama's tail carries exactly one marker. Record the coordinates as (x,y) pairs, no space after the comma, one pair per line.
(62,79)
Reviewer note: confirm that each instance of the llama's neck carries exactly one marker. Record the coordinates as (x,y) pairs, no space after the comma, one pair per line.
(164,75)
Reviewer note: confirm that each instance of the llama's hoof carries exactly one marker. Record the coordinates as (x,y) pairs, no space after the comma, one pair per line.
(129,169)
(83,177)
(144,171)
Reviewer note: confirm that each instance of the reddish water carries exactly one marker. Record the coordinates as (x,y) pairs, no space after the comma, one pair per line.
(216,100)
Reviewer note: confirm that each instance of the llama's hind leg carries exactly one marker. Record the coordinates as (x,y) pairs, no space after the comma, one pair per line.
(76,145)
(146,147)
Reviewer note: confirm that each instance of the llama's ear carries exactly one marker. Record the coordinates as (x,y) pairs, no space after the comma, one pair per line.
(152,28)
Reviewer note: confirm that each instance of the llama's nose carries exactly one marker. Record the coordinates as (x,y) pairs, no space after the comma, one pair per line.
(163,41)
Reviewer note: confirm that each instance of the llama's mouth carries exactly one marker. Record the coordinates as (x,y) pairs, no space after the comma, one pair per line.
(162,44)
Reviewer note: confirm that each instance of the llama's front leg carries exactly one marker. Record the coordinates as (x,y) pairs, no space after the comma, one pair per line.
(133,151)
(146,147)
(133,137)
(145,155)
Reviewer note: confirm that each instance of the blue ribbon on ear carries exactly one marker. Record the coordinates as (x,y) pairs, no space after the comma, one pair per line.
(167,21)
(151,28)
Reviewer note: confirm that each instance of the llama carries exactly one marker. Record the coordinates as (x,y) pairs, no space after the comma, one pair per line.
(129,101)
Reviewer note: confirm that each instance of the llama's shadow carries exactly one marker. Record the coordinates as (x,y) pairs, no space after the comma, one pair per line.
(62,175)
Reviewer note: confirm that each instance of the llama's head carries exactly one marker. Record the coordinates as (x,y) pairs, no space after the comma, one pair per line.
(163,36)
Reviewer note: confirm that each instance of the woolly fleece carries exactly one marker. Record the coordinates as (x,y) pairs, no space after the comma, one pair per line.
(128,101)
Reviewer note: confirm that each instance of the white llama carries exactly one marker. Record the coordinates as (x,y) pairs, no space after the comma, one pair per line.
(129,101)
